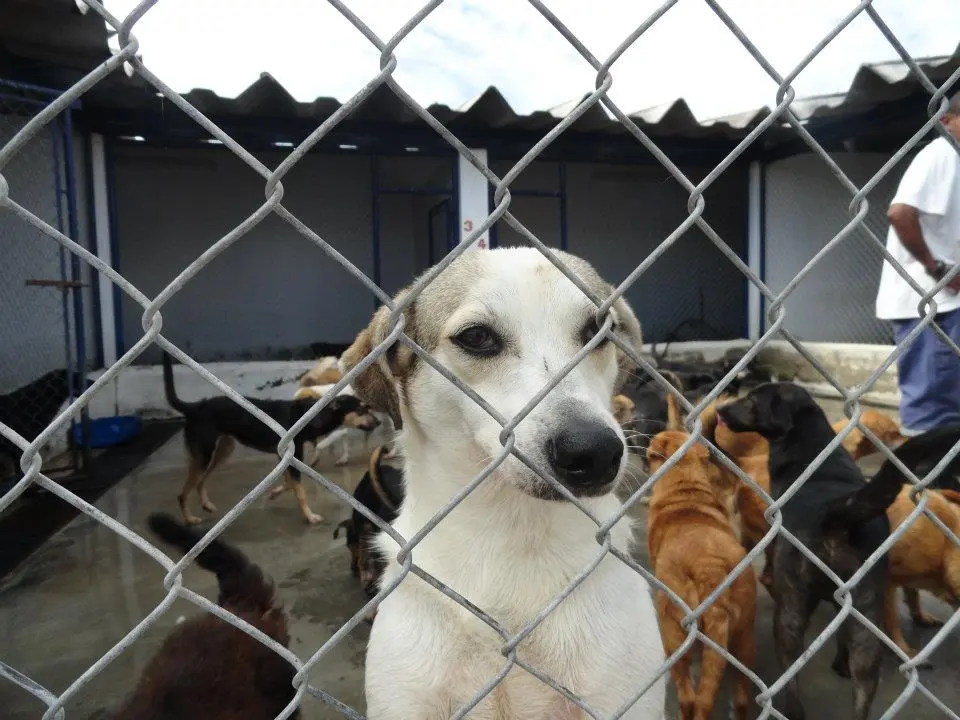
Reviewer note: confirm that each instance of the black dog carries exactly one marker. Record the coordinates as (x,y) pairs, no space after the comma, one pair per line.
(207,668)
(838,516)
(921,454)
(30,409)
(381,491)
(212,426)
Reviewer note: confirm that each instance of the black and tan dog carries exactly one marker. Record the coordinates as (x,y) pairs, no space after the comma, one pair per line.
(381,491)
(206,667)
(838,516)
(213,426)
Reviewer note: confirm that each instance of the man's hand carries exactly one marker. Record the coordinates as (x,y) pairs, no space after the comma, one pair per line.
(954,285)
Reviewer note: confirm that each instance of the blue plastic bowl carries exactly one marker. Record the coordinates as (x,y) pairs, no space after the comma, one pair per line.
(109,431)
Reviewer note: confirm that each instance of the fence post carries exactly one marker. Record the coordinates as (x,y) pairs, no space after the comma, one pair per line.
(474,200)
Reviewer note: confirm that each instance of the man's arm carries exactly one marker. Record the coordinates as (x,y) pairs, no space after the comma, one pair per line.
(905,220)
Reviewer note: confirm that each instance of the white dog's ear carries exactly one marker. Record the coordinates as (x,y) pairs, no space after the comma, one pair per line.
(629,331)
(377,385)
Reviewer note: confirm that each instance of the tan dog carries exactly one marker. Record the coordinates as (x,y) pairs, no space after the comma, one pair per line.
(325,372)
(880,424)
(693,548)
(924,558)
(733,444)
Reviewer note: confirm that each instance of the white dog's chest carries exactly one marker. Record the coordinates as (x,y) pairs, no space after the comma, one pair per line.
(600,643)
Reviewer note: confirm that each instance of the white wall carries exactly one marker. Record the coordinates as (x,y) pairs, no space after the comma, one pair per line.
(805,206)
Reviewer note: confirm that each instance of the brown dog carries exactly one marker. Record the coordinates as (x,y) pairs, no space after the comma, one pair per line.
(207,668)
(880,424)
(924,558)
(693,548)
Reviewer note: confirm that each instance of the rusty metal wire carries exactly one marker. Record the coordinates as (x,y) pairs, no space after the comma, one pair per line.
(152,320)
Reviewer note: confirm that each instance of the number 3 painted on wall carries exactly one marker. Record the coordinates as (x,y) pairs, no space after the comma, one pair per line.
(467,225)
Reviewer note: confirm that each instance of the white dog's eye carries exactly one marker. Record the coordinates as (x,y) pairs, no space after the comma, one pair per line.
(591,329)
(478,340)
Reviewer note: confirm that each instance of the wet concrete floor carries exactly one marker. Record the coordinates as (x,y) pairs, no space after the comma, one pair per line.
(74,598)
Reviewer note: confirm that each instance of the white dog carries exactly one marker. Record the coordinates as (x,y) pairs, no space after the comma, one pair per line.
(505,322)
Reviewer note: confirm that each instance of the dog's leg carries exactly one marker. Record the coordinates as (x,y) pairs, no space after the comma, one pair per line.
(222,451)
(891,619)
(292,479)
(791,617)
(194,475)
(344,451)
(312,452)
(864,652)
(920,618)
(673,636)
(716,626)
(745,650)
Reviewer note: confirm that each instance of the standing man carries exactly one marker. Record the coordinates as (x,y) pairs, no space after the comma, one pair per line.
(924,237)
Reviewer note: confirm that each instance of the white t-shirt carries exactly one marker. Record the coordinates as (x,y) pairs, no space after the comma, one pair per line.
(931,184)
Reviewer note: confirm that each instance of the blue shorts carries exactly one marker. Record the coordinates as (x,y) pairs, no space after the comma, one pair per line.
(929,375)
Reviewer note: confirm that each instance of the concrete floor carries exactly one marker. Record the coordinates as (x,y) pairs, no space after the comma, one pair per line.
(78,595)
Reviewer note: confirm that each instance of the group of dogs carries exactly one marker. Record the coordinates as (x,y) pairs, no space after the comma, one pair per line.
(501,550)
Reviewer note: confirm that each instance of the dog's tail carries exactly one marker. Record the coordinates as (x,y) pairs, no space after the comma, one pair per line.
(168,386)
(242,584)
(876,496)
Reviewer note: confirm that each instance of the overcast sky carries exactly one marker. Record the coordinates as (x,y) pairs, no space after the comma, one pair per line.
(465,46)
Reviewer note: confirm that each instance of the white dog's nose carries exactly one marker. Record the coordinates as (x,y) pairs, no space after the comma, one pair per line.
(585,456)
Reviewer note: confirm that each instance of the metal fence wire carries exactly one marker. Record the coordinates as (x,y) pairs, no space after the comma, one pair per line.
(12,205)
(37,304)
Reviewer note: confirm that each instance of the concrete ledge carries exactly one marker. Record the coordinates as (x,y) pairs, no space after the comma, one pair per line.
(138,389)
(850,364)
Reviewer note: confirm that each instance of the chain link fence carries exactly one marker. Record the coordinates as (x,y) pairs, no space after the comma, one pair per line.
(37,304)
(37,230)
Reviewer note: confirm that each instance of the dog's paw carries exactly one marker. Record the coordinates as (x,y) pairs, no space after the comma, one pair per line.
(342,460)
(192,520)
(313,518)
(209,507)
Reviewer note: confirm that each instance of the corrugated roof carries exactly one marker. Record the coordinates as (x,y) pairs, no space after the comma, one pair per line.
(873,85)
(26,31)
(876,84)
